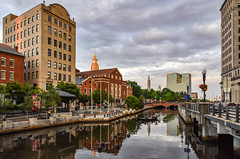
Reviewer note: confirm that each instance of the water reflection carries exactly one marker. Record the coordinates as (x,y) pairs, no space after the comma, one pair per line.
(166,137)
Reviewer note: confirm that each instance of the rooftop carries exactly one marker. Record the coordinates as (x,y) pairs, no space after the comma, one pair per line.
(96,72)
(7,49)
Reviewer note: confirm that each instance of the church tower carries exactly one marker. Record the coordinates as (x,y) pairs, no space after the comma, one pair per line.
(94,64)
(149,84)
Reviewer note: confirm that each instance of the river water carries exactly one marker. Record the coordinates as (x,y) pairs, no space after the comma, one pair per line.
(167,138)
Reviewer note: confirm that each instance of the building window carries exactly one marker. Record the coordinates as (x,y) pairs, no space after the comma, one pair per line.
(24,76)
(28,53)
(64,67)
(49,64)
(69,38)
(33,28)
(69,78)
(21,45)
(29,41)
(36,74)
(60,44)
(60,34)
(49,52)
(18,26)
(37,39)
(55,31)
(17,36)
(3,61)
(29,31)
(55,43)
(69,58)
(60,66)
(59,76)
(25,33)
(70,29)
(65,26)
(37,51)
(37,28)
(28,75)
(55,65)
(49,75)
(60,55)
(21,35)
(33,39)
(64,77)
(3,74)
(60,23)
(25,23)
(55,54)
(21,24)
(14,37)
(33,52)
(25,65)
(11,63)
(64,46)
(64,56)
(25,44)
(64,36)
(29,20)
(37,63)
(55,76)
(49,41)
(37,16)
(69,48)
(33,18)
(32,75)
(14,27)
(69,68)
(11,75)
(49,29)
(49,18)
(55,21)
(32,63)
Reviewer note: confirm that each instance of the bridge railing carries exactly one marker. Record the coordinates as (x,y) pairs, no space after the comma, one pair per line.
(228,112)
(195,107)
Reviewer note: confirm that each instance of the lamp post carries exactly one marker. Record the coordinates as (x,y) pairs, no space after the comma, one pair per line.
(204,72)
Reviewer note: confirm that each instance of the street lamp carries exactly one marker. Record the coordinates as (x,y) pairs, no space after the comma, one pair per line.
(204,72)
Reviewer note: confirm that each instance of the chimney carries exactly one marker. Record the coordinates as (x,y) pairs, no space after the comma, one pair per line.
(15,48)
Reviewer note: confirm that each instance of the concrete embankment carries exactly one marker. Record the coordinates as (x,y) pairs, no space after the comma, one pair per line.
(62,119)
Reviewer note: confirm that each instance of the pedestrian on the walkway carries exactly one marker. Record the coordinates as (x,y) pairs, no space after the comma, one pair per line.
(4,117)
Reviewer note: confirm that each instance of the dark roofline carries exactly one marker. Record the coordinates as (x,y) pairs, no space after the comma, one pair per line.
(223,5)
(97,71)
(8,50)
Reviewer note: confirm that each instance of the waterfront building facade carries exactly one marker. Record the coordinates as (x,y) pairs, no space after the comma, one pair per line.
(109,80)
(230,51)
(12,65)
(45,35)
(179,82)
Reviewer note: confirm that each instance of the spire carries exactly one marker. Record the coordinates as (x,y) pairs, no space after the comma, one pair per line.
(94,63)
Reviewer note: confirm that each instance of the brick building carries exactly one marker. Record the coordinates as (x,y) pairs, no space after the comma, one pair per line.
(46,35)
(12,65)
(110,80)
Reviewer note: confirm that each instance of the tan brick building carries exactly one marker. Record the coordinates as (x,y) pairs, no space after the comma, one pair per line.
(12,65)
(46,36)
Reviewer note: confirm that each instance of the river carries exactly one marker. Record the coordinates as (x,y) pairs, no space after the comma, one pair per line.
(127,138)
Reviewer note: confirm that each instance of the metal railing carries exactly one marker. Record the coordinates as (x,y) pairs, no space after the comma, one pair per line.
(228,112)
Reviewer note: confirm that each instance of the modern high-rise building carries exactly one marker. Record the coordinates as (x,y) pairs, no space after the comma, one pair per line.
(179,82)
(230,51)
(45,35)
(149,84)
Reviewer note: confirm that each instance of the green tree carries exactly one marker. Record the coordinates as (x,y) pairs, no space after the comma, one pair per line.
(168,96)
(132,102)
(154,96)
(69,87)
(15,92)
(28,103)
(83,99)
(141,104)
(96,96)
(136,88)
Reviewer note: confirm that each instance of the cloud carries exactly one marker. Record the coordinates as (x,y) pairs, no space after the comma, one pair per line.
(144,38)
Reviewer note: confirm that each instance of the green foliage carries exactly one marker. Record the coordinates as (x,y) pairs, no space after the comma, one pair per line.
(141,104)
(70,88)
(96,96)
(132,102)
(146,94)
(49,98)
(154,96)
(83,99)
(136,88)
(131,125)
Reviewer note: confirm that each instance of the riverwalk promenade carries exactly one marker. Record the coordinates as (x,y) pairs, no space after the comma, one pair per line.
(12,125)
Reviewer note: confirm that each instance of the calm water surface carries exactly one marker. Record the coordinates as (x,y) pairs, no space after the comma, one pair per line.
(167,138)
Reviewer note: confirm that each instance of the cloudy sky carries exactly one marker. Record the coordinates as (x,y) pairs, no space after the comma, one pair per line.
(144,37)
